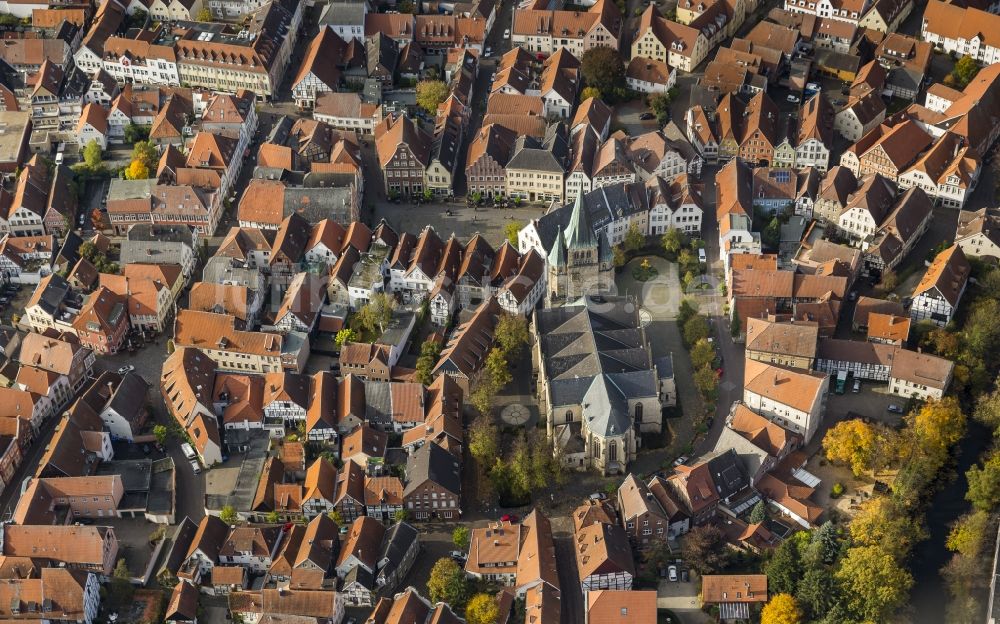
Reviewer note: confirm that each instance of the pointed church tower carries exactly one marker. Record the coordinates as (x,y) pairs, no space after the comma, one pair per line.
(557,268)
(582,255)
(580,233)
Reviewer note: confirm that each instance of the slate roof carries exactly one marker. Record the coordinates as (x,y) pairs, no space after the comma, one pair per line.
(432,463)
(597,359)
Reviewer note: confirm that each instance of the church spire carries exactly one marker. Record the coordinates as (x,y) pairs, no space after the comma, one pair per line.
(579,232)
(557,257)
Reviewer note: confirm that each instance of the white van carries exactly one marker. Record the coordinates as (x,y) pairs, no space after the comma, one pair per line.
(188,451)
(195,466)
(702,258)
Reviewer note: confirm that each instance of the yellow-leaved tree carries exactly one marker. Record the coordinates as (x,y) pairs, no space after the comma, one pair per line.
(136,170)
(782,609)
(482,609)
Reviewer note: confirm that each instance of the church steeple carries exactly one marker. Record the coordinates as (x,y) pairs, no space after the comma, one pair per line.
(557,256)
(579,232)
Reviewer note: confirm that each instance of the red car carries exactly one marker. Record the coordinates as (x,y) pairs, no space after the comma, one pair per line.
(512,518)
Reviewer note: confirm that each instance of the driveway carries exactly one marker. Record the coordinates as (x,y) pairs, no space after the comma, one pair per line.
(682,599)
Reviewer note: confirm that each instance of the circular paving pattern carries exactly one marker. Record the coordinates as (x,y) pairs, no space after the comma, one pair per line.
(515,415)
(645,318)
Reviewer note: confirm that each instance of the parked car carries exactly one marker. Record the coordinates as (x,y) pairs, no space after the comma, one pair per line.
(457,555)
(794,99)
(195,466)
(680,460)
(124,370)
(672,573)
(813,86)
(146,449)
(506,34)
(647,116)
(512,518)
(857,386)
(598,496)
(895,409)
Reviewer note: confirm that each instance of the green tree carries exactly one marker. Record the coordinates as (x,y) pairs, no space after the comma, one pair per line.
(134,133)
(706,380)
(781,609)
(758,513)
(784,568)
(460,537)
(430,350)
(146,153)
(520,470)
(274,517)
(484,440)
(889,282)
(695,329)
(686,310)
(988,410)
(590,92)
(827,538)
(204,15)
(965,70)
(984,484)
(881,522)
(817,591)
(346,335)
(735,326)
(336,517)
(603,68)
(873,583)
(483,392)
(447,583)
(376,314)
(673,241)
(771,236)
(618,256)
(702,354)
(969,534)
(660,104)
(161,434)
(407,6)
(482,609)
(634,239)
(121,584)
(430,94)
(510,232)
(92,154)
(498,368)
(229,515)
(512,334)
(704,549)
(401,515)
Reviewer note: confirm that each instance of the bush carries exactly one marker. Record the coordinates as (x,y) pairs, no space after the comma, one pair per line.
(837,490)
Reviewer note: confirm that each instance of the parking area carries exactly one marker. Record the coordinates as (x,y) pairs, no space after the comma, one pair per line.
(682,598)
(635,117)
(17,296)
(133,542)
